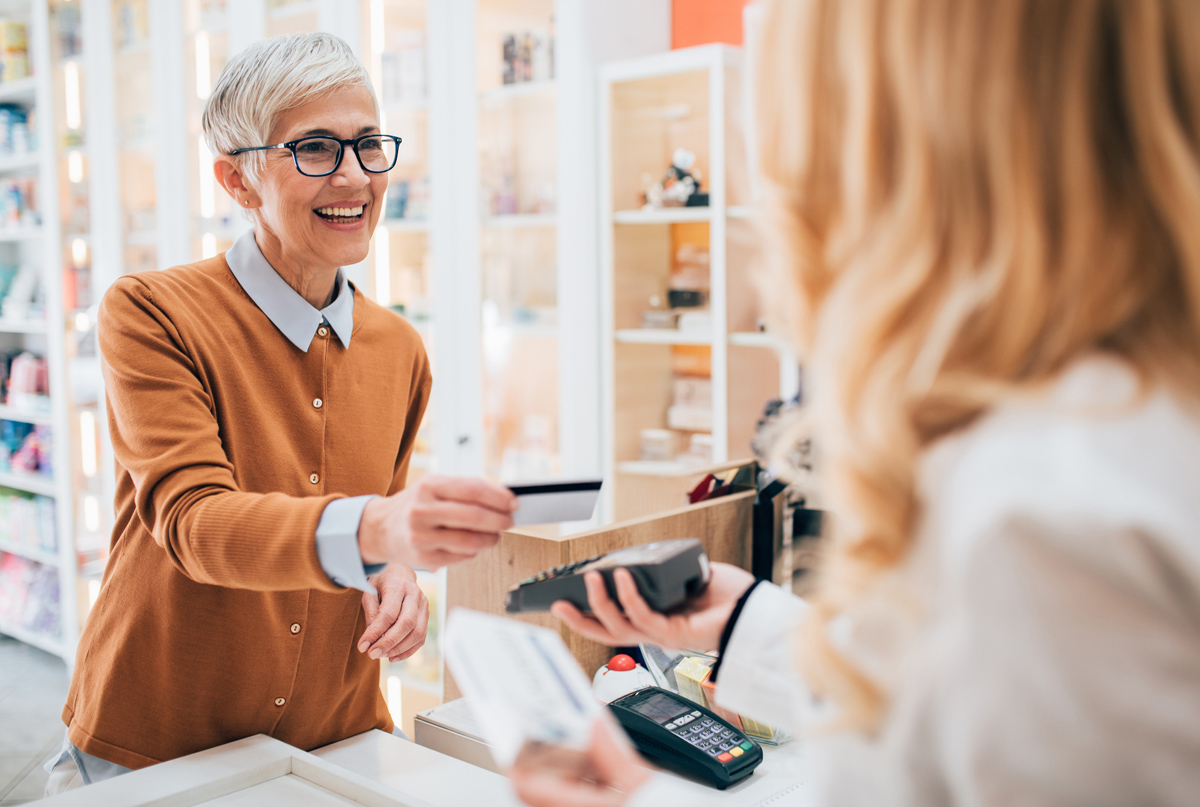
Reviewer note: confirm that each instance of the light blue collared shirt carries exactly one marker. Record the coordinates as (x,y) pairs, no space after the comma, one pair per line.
(296,319)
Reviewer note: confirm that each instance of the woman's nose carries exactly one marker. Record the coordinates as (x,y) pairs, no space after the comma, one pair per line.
(350,173)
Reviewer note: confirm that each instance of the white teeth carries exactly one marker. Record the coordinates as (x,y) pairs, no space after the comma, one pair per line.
(341,212)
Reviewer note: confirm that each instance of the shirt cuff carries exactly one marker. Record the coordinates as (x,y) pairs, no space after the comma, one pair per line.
(337,544)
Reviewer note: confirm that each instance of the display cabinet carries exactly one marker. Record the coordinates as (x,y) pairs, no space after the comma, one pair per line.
(518,192)
(688,363)
(43,246)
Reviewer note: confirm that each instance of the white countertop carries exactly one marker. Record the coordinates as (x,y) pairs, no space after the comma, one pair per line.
(447,782)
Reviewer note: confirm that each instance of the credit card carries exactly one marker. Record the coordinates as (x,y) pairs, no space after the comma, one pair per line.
(552,502)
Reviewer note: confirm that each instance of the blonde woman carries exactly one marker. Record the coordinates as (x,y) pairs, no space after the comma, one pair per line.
(985,220)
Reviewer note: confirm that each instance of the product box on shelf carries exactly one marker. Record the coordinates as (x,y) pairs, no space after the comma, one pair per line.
(27,521)
(25,448)
(29,595)
(14,51)
(14,130)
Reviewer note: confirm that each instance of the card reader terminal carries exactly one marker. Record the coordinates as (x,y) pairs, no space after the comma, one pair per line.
(667,574)
(679,734)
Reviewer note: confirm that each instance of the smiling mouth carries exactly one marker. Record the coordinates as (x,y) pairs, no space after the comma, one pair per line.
(340,215)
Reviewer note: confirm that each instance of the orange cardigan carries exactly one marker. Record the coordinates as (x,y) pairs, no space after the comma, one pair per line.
(215,620)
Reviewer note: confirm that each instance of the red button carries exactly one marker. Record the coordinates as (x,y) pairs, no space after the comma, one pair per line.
(621,663)
(725,757)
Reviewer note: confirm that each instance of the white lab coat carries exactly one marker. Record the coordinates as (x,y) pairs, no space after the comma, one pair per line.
(1041,644)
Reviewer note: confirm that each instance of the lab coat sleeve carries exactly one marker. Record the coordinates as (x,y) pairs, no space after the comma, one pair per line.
(758,675)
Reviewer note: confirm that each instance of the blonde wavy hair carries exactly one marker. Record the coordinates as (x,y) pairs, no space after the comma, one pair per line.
(962,198)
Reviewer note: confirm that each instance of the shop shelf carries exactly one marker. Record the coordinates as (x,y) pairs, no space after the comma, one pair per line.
(672,468)
(20,233)
(29,483)
(660,336)
(665,215)
(21,90)
(39,555)
(25,415)
(20,163)
(756,339)
(48,643)
(22,326)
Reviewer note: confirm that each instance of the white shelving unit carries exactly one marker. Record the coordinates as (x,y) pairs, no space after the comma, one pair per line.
(690,99)
(41,246)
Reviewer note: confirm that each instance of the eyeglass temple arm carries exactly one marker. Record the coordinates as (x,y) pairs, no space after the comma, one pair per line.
(259,148)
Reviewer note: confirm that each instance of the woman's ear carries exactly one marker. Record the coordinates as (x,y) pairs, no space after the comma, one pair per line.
(230,175)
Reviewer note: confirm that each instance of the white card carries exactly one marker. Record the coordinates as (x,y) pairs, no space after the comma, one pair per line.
(552,502)
(520,682)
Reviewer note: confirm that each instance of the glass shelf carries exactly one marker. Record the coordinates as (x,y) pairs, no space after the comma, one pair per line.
(517,108)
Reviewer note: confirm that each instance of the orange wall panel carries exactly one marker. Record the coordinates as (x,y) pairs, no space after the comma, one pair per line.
(698,22)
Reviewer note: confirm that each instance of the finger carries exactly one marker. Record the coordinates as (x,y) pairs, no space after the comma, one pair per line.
(412,641)
(404,625)
(370,604)
(637,611)
(576,621)
(474,491)
(604,608)
(467,543)
(401,602)
(382,622)
(459,516)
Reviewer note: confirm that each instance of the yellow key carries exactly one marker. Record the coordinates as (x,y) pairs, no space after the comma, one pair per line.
(737,752)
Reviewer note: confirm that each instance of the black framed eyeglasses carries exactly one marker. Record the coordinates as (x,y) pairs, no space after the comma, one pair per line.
(320,155)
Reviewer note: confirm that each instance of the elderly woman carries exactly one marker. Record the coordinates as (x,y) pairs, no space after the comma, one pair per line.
(263,413)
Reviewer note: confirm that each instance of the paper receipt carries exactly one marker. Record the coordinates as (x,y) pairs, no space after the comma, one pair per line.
(520,682)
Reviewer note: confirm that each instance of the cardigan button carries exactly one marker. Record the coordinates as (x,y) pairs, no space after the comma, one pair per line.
(280,701)
(314,479)
(295,627)
(318,403)
(322,331)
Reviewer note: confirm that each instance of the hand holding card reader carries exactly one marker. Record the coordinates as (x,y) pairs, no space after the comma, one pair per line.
(667,574)
(680,734)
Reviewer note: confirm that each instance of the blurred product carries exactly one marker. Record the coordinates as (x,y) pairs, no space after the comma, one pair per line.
(27,521)
(680,185)
(29,595)
(14,53)
(527,57)
(658,445)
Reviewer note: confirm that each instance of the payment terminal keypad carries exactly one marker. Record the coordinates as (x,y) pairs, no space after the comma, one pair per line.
(709,736)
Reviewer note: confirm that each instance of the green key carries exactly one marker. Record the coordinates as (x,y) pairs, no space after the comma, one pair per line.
(746,746)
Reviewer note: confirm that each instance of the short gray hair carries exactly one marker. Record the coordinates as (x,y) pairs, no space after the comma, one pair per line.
(266,79)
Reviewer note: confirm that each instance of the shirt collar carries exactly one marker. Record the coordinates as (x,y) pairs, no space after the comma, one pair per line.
(294,316)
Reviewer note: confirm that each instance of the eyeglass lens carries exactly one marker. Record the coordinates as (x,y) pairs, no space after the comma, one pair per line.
(317,156)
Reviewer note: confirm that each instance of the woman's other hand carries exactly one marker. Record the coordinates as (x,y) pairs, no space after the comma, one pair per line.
(614,771)
(436,521)
(397,616)
(697,627)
